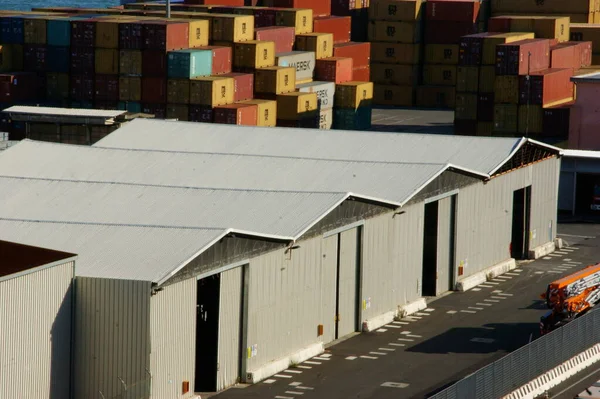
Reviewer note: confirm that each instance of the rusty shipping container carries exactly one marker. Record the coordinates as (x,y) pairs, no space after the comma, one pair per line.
(548,87)
(361,74)
(165,35)
(283,36)
(221,58)
(107,33)
(441,54)
(448,32)
(400,96)
(106,88)
(522,57)
(82,87)
(338,26)
(201,113)
(544,27)
(392,10)
(154,63)
(237,114)
(334,69)
(154,90)
(359,52)
(232,28)
(243,86)
(452,10)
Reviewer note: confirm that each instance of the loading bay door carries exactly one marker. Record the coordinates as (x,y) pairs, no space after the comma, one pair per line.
(347,281)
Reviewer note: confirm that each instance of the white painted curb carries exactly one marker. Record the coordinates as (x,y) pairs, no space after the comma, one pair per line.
(376,322)
(557,375)
(481,277)
(542,250)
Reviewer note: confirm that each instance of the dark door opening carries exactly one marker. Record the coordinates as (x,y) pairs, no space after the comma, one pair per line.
(207,333)
(348,281)
(520,223)
(430,249)
(452,249)
(587,198)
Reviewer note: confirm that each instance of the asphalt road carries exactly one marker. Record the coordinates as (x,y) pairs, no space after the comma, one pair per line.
(455,336)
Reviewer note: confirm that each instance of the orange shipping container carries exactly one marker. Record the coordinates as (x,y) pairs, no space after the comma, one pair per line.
(334,69)
(275,80)
(266,113)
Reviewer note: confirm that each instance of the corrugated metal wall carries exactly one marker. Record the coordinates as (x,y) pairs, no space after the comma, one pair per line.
(35,334)
(112,331)
(173,339)
(348,284)
(230,324)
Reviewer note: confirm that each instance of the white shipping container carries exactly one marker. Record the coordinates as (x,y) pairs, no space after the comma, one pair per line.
(304,61)
(325,92)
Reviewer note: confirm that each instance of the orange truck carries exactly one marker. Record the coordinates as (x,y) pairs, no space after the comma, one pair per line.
(571,297)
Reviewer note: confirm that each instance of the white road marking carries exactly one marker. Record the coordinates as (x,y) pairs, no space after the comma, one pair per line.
(386,349)
(568,250)
(429,309)
(414,336)
(496,291)
(483,304)
(320,358)
(411,318)
(351,358)
(295,384)
(405,339)
(415,318)
(483,340)
(555,255)
(517,270)
(563,268)
(270,381)
(401,322)
(473,307)
(368,357)
(554,271)
(568,259)
(491,300)
(283,397)
(294,392)
(393,326)
(394,384)
(292,371)
(305,388)
(539,272)
(282,376)
(451,311)
(505,294)
(304,367)
(503,278)
(381,330)
(405,332)
(486,286)
(512,274)
(497,297)
(378,353)
(468,311)
(395,344)
(561,252)
(546,258)
(491,282)
(575,263)
(571,235)
(311,362)
(422,314)
(325,355)
(475,289)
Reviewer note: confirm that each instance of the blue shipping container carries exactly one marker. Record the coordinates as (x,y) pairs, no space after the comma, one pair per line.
(351,119)
(130,106)
(58,32)
(11,30)
(59,59)
(187,64)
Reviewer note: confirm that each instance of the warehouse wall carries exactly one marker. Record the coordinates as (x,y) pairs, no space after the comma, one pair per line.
(112,338)
(35,334)
(173,339)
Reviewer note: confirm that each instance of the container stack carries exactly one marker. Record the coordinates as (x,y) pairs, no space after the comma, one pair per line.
(395,32)
(579,11)
(590,33)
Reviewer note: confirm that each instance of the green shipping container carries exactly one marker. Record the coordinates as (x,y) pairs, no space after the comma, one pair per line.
(130,106)
(187,64)
(352,119)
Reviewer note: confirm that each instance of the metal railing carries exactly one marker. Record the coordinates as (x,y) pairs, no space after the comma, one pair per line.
(528,362)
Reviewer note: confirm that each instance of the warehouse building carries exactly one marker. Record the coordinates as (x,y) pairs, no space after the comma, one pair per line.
(35,321)
(579,193)
(248,250)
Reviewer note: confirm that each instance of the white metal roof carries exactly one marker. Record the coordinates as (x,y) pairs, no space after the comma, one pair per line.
(394,182)
(581,154)
(79,112)
(481,154)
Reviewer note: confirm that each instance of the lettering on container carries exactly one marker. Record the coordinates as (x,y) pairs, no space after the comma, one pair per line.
(390,52)
(388,95)
(243,28)
(198,33)
(447,53)
(389,73)
(286,79)
(223,91)
(391,31)
(325,46)
(307,105)
(447,75)
(322,97)
(392,9)
(265,54)
(364,94)
(303,21)
(266,114)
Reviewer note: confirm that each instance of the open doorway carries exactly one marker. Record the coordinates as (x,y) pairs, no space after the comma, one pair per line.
(207,333)
(519,246)
(348,281)
(430,249)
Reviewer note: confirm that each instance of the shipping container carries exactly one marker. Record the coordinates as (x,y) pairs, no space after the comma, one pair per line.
(485,107)
(82,87)
(200,113)
(300,19)
(154,63)
(465,127)
(354,95)
(360,19)
(131,35)
(361,74)
(82,59)
(275,80)
(544,27)
(107,61)
(487,77)
(546,88)
(34,30)
(106,88)
(531,119)
(263,16)
(186,64)
(35,57)
(399,96)
(303,61)
(506,118)
(470,49)
(338,26)
(130,89)
(154,90)
(58,59)
(17,87)
(253,54)
(58,31)
(334,69)
(107,33)
(441,54)
(232,28)
(467,80)
(57,86)
(586,53)
(130,106)
(394,10)
(319,43)
(283,36)
(83,33)
(522,57)
(237,114)
(11,57)
(221,58)
(440,75)
(359,52)
(395,32)
(556,120)
(158,110)
(319,8)
(506,89)
(325,119)
(296,105)
(466,106)
(11,29)
(165,35)
(180,112)
(492,41)
(352,118)
(130,62)
(266,112)
(243,86)
(436,96)
(452,10)
(178,91)
(211,90)
(395,74)
(545,7)
(448,32)
(395,53)
(325,92)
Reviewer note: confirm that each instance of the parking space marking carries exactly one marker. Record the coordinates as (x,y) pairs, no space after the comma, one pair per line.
(554,271)
(503,277)
(406,339)
(540,272)
(368,357)
(414,336)
(295,384)
(512,274)
(269,381)
(378,353)
(351,357)
(395,344)
(560,252)
(305,388)
(405,332)
(394,384)
(381,330)
(422,314)
(411,318)
(491,282)
(283,397)
(555,255)
(568,259)
(311,362)
(505,294)
(292,371)
(473,307)
(304,367)
(496,291)
(497,297)
(491,300)
(321,358)
(483,304)
(393,326)
(325,355)
(468,311)
(386,349)
(517,270)
(575,263)
(429,309)
(415,318)
(401,322)
(282,376)
(451,311)
(294,393)
(546,258)
(475,289)
(486,286)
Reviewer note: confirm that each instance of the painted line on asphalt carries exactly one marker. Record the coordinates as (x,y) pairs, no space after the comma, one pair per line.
(282,376)
(491,282)
(270,381)
(503,278)
(483,304)
(422,314)
(395,344)
(546,258)
(491,300)
(325,355)
(512,274)
(473,307)
(555,255)
(505,294)
(311,362)
(393,326)
(377,353)
(468,311)
(284,397)
(320,358)
(305,388)
(554,271)
(574,235)
(575,263)
(406,339)
(386,349)
(486,286)
(411,318)
(351,358)
(401,322)
(292,371)
(294,393)
(451,311)
(414,336)
(368,357)
(429,309)
(497,297)
(475,289)
(295,384)
(415,318)
(540,272)
(496,291)
(304,367)
(517,270)
(394,384)
(483,340)
(381,330)
(405,332)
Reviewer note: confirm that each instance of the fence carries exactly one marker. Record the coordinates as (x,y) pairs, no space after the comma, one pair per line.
(528,362)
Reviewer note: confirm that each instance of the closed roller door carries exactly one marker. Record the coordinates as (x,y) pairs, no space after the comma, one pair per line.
(347,282)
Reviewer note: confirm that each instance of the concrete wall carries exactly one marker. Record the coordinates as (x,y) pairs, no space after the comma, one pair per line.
(585,118)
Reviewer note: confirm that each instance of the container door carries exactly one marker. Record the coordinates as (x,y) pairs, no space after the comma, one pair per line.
(347,282)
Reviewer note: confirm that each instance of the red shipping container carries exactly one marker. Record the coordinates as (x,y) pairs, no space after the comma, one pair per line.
(586,53)
(18,86)
(522,57)
(154,63)
(83,33)
(283,36)
(470,49)
(35,57)
(154,90)
(338,26)
(158,110)
(548,87)
(448,32)
(221,62)
(567,55)
(82,87)
(499,24)
(361,74)
(237,114)
(107,88)
(165,35)
(334,69)
(556,120)
(359,52)
(201,113)
(83,60)
(243,85)
(485,107)
(320,8)
(131,36)
(452,10)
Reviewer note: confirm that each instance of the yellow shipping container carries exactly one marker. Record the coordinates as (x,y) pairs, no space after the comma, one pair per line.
(275,80)
(178,91)
(254,54)
(546,27)
(441,54)
(505,118)
(440,75)
(579,18)
(130,88)
(211,90)
(353,94)
(487,77)
(531,119)
(296,105)
(490,43)
(299,18)
(11,57)
(107,61)
(394,10)
(543,7)
(178,111)
(467,79)
(130,62)
(396,74)
(485,128)
(396,53)
(319,43)
(399,96)
(232,28)
(466,106)
(506,90)
(34,31)
(395,32)
(436,96)
(199,32)
(267,112)
(107,33)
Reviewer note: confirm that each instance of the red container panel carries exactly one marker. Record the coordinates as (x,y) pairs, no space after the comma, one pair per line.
(320,8)
(338,26)
(18,86)
(485,107)
(243,86)
(361,74)
(154,63)
(107,88)
(586,53)
(522,57)
(283,36)
(165,36)
(499,24)
(359,52)
(567,55)
(154,90)
(35,57)
(452,10)
(83,33)
(221,61)
(334,69)
(201,113)
(448,32)
(556,120)
(548,87)
(131,36)
(344,7)
(83,60)
(237,114)
(158,110)
(470,49)
(82,87)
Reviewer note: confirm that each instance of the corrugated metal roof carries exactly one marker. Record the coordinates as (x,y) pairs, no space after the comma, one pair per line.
(395,182)
(581,153)
(79,112)
(482,154)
